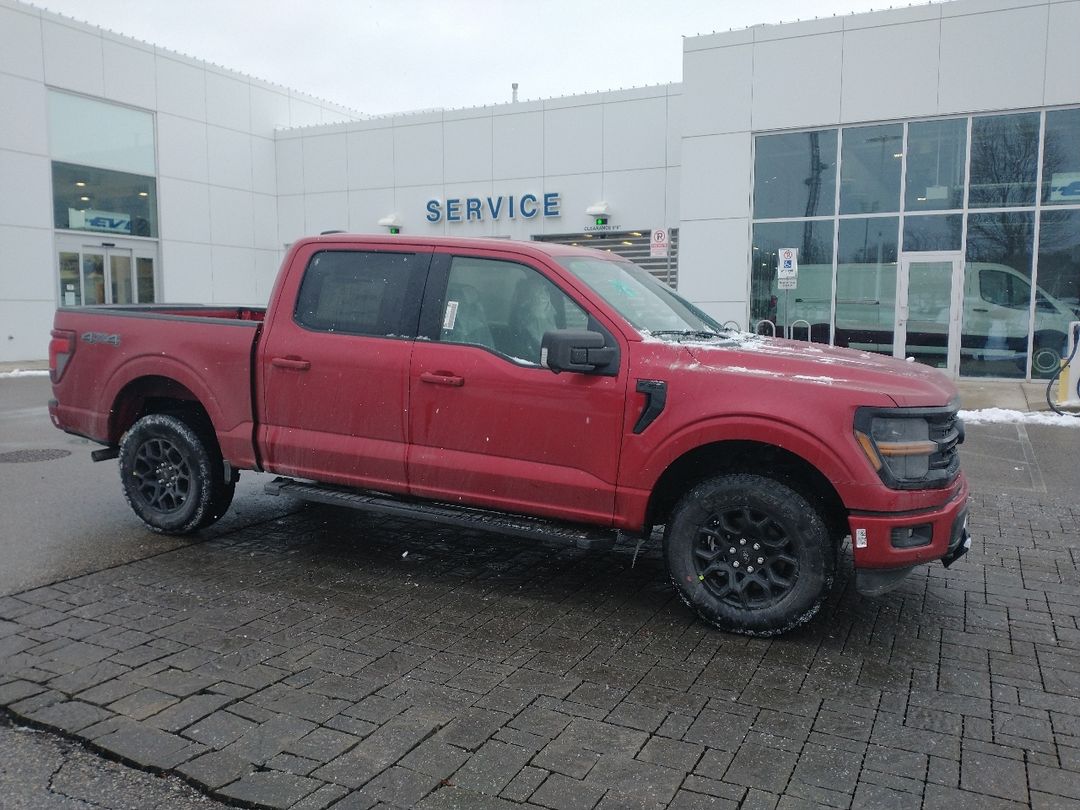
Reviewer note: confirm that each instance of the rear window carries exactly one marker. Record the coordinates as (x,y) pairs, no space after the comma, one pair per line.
(356,292)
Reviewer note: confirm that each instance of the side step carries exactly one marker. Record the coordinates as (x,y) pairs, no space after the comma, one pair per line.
(584,537)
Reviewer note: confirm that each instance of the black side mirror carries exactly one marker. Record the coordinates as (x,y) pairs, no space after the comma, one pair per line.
(575,350)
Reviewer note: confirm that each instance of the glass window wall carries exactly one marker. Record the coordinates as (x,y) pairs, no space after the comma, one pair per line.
(1061,158)
(866,259)
(870,169)
(936,154)
(1057,291)
(105,201)
(1004,160)
(95,133)
(810,302)
(795,175)
(936,232)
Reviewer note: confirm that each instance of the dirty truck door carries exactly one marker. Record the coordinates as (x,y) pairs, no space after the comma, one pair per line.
(489,425)
(335,368)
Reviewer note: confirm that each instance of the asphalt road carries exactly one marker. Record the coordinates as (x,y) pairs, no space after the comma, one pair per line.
(67,516)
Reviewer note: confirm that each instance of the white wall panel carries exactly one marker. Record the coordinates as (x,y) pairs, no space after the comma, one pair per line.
(187,275)
(797,82)
(993,61)
(325,164)
(263,165)
(228,102)
(26,264)
(637,197)
(302,113)
(267,263)
(234,275)
(32,176)
(890,72)
(232,217)
(182,148)
(20,43)
(129,73)
(467,150)
(713,261)
(577,192)
(185,210)
(181,88)
(324,212)
(716,178)
(368,206)
(265,221)
(290,165)
(24,329)
(717,86)
(418,154)
(409,206)
(1062,75)
(674,207)
(517,148)
(475,227)
(229,157)
(291,223)
(73,58)
(635,134)
(23,120)
(370,155)
(573,139)
(269,110)
(675,123)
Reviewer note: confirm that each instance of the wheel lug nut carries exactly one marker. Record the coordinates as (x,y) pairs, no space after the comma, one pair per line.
(760,560)
(742,542)
(735,564)
(731,550)
(757,546)
(749,569)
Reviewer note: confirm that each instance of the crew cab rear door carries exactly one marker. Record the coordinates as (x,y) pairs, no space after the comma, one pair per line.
(334,364)
(492,427)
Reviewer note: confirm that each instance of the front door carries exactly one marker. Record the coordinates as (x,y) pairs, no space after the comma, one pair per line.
(490,425)
(929,306)
(105,272)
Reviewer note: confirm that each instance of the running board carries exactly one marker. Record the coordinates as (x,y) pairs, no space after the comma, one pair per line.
(581,536)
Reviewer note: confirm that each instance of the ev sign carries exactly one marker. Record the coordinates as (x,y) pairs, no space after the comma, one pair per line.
(787,268)
(658,245)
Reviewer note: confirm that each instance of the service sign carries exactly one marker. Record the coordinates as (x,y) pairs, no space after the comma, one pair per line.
(505,206)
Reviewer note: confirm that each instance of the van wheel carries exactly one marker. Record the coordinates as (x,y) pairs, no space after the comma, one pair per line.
(749,554)
(1046,356)
(173,474)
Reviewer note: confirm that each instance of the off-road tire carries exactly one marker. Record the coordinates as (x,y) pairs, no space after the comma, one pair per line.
(173,475)
(749,554)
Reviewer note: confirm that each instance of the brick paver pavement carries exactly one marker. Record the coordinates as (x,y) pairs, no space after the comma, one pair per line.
(330,659)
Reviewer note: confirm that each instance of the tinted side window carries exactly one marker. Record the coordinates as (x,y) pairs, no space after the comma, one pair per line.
(359,293)
(505,307)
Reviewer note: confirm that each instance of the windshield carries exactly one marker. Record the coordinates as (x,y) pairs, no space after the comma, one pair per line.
(649,305)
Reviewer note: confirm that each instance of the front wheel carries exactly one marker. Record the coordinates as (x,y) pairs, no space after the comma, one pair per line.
(749,554)
(173,475)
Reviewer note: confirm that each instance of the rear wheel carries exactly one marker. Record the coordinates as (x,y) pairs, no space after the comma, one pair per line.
(173,474)
(749,554)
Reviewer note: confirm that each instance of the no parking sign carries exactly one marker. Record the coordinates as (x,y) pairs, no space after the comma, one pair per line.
(787,268)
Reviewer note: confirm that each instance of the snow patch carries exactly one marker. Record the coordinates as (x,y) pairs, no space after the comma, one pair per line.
(23,373)
(989,416)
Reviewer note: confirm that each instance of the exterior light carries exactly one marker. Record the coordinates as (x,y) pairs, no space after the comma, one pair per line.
(391,222)
(601,221)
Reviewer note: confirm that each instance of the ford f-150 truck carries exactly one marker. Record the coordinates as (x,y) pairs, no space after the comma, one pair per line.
(536,389)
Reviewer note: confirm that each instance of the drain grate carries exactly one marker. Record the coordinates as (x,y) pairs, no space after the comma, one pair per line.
(22,456)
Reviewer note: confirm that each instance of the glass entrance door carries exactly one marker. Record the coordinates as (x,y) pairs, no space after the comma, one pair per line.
(929,305)
(105,273)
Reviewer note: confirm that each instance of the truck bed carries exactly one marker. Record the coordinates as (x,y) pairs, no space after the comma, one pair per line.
(206,351)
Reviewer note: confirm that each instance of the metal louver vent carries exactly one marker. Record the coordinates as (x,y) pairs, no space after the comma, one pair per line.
(632,245)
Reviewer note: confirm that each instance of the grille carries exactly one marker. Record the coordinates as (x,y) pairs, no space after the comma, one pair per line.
(946,433)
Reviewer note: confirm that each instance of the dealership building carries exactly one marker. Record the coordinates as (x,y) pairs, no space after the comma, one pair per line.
(920,167)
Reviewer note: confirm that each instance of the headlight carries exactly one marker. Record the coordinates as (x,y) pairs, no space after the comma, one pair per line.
(906,448)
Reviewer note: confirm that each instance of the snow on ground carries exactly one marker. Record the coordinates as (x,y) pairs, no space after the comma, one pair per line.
(988,416)
(21,373)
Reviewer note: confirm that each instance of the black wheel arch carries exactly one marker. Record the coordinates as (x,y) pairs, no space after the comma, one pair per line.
(741,456)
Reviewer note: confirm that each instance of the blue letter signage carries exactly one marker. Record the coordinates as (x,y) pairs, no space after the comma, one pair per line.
(470,209)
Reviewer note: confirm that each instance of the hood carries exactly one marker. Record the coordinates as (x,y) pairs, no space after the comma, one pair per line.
(906,383)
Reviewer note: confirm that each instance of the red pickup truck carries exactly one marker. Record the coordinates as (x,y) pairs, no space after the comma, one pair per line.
(536,389)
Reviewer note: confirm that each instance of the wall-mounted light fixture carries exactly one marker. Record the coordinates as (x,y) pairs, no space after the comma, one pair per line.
(599,212)
(392,222)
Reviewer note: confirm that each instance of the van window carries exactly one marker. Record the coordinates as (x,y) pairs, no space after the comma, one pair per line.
(1004,289)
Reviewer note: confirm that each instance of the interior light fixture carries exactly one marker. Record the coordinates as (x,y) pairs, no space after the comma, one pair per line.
(898,154)
(635,233)
(627,243)
(144,193)
(85,199)
(80,183)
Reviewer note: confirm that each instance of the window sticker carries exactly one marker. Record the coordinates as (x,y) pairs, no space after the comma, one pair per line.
(860,538)
(450,318)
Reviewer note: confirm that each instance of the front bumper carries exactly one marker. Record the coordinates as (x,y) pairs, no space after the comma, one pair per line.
(903,539)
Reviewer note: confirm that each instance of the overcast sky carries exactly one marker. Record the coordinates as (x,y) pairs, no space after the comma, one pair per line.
(383,56)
